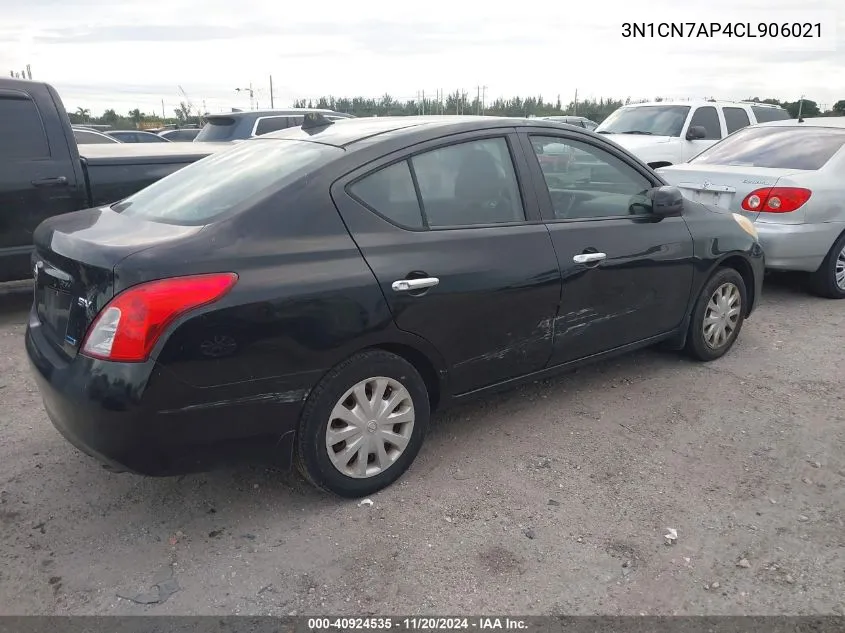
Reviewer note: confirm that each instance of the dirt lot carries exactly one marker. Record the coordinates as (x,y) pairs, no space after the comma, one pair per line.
(554,498)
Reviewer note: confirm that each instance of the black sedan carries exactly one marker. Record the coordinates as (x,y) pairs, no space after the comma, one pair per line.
(311,296)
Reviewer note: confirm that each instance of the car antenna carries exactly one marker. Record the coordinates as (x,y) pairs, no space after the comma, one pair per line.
(800,107)
(315,120)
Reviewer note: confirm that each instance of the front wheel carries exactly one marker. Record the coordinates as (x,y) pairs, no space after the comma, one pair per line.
(718,315)
(829,280)
(363,424)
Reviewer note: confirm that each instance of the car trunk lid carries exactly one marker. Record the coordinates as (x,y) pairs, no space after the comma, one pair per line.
(73,265)
(723,186)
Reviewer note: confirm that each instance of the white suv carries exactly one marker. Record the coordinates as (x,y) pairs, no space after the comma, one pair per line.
(670,132)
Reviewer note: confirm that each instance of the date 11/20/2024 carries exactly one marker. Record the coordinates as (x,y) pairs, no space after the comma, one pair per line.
(750,30)
(416,624)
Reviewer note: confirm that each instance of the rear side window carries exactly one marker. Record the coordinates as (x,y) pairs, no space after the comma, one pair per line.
(735,119)
(226,181)
(218,129)
(805,148)
(708,118)
(272,124)
(469,184)
(22,134)
(764,115)
(390,192)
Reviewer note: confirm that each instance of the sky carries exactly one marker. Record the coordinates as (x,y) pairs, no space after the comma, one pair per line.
(100,54)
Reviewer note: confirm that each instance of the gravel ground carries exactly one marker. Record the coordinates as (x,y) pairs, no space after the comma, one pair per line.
(553,498)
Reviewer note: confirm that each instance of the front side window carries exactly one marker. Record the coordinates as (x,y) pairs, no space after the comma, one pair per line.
(22,134)
(586,182)
(657,120)
(226,180)
(708,118)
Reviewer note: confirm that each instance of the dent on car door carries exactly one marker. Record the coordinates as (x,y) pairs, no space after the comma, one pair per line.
(626,275)
(460,253)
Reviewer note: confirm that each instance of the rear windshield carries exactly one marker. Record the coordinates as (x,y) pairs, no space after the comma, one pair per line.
(807,148)
(217,130)
(225,181)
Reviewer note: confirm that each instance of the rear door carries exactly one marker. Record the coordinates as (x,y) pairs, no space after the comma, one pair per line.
(626,277)
(708,118)
(458,247)
(37,178)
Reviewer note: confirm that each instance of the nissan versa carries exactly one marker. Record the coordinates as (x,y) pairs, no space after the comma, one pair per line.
(312,295)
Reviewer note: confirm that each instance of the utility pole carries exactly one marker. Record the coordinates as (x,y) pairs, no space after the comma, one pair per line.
(423,102)
(483,98)
(271,92)
(478,100)
(576,102)
(163,114)
(800,108)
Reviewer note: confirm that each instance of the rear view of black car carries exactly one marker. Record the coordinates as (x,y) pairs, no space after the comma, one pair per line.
(311,296)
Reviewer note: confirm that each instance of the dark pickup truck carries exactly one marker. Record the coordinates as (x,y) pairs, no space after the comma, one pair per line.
(44,173)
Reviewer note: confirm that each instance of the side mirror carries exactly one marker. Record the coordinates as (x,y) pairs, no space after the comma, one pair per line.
(666,201)
(696,133)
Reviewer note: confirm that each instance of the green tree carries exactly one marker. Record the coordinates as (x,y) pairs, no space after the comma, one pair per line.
(839,107)
(110,117)
(83,114)
(808,108)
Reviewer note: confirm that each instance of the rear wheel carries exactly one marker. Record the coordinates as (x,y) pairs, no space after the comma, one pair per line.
(829,280)
(718,315)
(363,424)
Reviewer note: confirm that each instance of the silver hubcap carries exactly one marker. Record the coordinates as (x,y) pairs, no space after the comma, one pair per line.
(722,315)
(840,270)
(370,427)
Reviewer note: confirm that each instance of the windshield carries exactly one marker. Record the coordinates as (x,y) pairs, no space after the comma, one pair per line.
(652,120)
(807,148)
(217,130)
(219,183)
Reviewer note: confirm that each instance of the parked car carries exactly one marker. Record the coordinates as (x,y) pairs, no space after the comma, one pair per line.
(84,136)
(789,179)
(313,294)
(136,136)
(670,132)
(577,121)
(237,126)
(42,173)
(180,135)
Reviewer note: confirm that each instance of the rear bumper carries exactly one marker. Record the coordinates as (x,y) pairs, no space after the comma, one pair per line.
(137,417)
(800,247)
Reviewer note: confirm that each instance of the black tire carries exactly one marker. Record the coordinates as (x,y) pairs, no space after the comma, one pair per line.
(697,346)
(823,281)
(312,457)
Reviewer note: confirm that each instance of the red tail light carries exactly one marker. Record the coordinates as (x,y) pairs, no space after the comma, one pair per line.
(128,327)
(776,199)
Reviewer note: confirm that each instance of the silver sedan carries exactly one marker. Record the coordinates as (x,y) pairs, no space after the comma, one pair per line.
(788,177)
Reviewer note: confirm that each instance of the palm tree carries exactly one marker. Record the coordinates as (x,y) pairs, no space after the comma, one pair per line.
(83,113)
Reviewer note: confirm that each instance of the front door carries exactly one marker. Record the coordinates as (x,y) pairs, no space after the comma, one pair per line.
(37,181)
(626,276)
(708,118)
(461,255)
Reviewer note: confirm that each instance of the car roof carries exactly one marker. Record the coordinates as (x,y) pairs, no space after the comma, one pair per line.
(260,113)
(821,121)
(346,132)
(700,102)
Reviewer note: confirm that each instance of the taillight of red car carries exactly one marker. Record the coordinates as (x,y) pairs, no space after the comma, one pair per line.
(776,199)
(128,327)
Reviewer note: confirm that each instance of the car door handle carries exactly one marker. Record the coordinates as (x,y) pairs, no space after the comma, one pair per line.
(49,182)
(404,285)
(586,258)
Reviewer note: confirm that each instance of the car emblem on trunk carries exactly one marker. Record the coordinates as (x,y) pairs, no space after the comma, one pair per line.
(707,184)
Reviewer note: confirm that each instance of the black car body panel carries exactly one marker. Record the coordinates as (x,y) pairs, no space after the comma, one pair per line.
(42,173)
(316,268)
